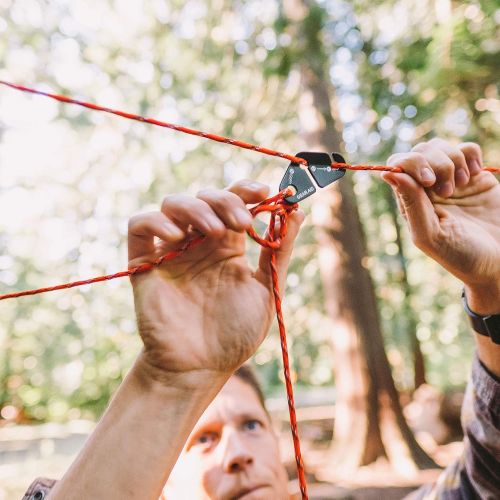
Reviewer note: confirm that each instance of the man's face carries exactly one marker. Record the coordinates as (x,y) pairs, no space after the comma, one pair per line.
(231,454)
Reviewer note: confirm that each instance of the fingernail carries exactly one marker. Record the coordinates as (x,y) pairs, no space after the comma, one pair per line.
(215,223)
(174,231)
(474,167)
(445,189)
(428,175)
(462,178)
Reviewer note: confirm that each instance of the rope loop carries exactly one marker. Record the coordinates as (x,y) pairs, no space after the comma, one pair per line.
(280,210)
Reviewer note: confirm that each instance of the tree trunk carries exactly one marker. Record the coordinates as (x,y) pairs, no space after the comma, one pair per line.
(411,324)
(369,422)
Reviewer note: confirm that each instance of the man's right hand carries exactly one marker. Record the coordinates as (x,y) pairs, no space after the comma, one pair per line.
(453,212)
(205,311)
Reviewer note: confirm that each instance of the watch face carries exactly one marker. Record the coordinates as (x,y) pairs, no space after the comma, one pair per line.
(493,325)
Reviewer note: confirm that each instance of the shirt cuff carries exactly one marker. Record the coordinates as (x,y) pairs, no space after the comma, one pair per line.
(39,489)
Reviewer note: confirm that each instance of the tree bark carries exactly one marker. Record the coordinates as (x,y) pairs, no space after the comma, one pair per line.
(369,422)
(411,325)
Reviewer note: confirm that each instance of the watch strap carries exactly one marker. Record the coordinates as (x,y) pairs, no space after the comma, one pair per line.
(489,325)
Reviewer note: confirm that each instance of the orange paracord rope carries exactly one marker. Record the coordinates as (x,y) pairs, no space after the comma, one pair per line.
(276,205)
(206,135)
(279,209)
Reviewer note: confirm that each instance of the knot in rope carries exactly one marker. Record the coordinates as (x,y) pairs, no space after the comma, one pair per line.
(280,211)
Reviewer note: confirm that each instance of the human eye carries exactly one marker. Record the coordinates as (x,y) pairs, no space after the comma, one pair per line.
(206,439)
(252,424)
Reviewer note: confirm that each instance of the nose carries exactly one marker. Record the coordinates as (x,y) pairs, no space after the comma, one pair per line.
(237,457)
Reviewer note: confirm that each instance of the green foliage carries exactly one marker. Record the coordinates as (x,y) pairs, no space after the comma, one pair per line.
(71,177)
(437,76)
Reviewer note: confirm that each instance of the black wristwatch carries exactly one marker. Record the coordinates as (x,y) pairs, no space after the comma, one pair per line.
(488,326)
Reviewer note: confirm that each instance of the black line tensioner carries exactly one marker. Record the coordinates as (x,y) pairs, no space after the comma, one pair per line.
(319,167)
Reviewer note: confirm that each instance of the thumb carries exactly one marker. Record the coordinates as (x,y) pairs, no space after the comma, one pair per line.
(283,253)
(417,208)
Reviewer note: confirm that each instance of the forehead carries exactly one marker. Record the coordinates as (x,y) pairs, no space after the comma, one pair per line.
(235,399)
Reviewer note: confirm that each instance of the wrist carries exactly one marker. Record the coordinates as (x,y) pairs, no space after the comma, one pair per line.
(484,299)
(201,381)
(139,438)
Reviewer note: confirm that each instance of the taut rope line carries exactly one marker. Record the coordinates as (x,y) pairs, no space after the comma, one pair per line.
(276,205)
(206,135)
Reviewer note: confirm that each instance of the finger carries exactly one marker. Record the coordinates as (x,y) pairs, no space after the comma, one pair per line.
(284,253)
(391,179)
(142,230)
(187,211)
(229,207)
(461,170)
(462,174)
(473,156)
(416,165)
(443,168)
(420,213)
(249,191)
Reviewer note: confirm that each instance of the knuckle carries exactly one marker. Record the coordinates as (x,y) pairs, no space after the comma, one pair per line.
(456,156)
(421,146)
(437,142)
(470,148)
(134,220)
(215,197)
(241,183)
(444,166)
(206,193)
(396,158)
(175,201)
(141,221)
(412,162)
(417,158)
(221,199)
(408,160)
(167,200)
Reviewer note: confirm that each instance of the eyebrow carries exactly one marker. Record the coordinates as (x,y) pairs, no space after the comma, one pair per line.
(251,416)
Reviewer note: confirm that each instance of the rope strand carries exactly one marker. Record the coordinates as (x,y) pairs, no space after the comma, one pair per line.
(280,210)
(206,135)
(158,123)
(276,205)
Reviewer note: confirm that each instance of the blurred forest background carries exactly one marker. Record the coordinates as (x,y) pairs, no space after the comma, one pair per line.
(366,78)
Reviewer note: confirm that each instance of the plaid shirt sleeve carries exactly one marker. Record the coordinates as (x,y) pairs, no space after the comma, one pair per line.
(39,489)
(476,475)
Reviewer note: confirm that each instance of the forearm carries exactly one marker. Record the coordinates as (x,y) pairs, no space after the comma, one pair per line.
(135,445)
(485,301)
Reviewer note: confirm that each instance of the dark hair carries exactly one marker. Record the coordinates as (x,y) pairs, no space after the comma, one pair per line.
(247,375)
